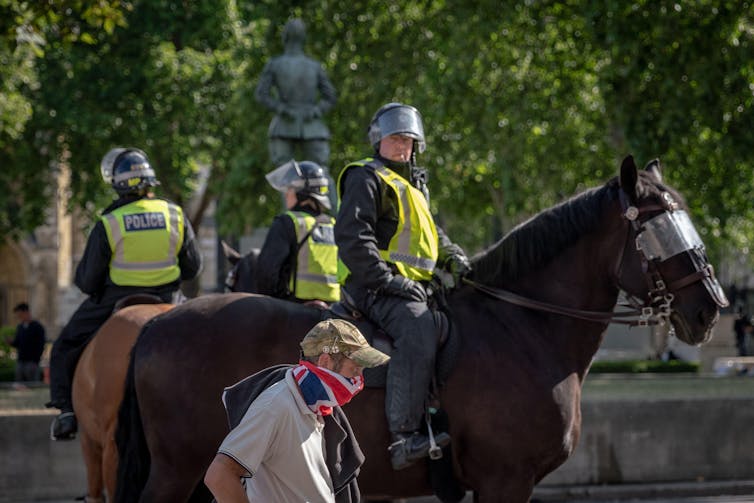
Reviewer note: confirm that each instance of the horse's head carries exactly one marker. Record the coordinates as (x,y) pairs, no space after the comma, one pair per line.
(241,277)
(664,263)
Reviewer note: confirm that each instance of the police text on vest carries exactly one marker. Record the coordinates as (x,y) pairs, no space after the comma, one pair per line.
(144,221)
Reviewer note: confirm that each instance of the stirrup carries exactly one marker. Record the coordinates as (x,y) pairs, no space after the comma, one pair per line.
(56,421)
(435,451)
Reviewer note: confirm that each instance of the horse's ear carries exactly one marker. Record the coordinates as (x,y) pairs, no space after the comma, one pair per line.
(629,177)
(655,168)
(230,253)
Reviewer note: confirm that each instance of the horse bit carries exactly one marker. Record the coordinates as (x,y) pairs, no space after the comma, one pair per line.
(658,239)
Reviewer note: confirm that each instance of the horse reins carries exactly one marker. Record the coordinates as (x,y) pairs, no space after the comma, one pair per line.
(640,313)
(646,315)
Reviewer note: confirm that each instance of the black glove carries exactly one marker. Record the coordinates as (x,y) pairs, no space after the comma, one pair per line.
(454,268)
(459,266)
(401,286)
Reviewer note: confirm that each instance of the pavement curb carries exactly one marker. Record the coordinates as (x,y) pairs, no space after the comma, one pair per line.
(623,492)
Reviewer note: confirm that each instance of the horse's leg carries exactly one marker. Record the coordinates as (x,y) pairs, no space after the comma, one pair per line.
(511,489)
(92,458)
(164,485)
(110,464)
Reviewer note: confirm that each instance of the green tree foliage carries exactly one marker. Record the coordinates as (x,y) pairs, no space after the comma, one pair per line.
(525,103)
(26,30)
(162,82)
(680,85)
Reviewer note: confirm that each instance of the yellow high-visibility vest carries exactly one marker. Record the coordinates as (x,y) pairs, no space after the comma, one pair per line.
(414,246)
(316,274)
(145,237)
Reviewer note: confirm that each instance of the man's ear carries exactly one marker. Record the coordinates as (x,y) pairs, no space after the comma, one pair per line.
(324,360)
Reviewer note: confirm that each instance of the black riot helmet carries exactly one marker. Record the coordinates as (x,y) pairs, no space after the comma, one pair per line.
(397,118)
(307,179)
(128,171)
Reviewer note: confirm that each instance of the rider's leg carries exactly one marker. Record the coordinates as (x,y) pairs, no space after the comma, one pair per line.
(65,353)
(415,334)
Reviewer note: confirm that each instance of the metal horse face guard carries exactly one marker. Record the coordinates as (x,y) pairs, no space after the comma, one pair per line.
(660,238)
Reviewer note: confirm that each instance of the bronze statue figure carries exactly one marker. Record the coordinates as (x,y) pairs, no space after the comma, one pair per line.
(296,88)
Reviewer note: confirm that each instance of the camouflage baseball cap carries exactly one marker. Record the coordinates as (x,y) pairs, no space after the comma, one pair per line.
(340,336)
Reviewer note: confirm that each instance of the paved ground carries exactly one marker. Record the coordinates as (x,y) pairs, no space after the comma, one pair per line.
(16,400)
(717,499)
(598,387)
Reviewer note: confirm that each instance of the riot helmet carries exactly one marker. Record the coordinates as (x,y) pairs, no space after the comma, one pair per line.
(397,118)
(307,179)
(128,171)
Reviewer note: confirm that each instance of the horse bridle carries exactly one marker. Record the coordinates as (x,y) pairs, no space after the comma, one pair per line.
(661,237)
(656,309)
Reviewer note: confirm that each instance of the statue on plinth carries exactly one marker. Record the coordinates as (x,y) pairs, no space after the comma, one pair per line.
(296,88)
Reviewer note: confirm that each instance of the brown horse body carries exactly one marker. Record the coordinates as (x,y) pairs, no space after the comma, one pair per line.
(98,390)
(513,398)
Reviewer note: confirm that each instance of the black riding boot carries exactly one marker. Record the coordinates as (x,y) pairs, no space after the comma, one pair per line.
(408,448)
(64,426)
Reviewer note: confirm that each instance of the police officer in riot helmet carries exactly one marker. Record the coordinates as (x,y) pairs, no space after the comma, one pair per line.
(140,244)
(390,249)
(298,260)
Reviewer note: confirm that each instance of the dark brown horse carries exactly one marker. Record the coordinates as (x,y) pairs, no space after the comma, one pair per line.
(98,389)
(513,398)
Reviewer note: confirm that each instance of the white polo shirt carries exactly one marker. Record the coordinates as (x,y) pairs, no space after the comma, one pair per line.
(279,442)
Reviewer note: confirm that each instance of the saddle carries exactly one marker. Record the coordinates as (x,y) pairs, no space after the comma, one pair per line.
(447,346)
(137,298)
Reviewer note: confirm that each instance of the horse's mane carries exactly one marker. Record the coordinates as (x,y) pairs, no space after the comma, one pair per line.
(535,242)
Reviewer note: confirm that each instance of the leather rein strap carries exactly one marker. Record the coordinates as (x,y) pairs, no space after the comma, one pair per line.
(623,317)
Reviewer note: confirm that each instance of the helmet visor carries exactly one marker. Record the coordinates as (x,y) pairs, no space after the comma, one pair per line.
(286,176)
(106,166)
(403,120)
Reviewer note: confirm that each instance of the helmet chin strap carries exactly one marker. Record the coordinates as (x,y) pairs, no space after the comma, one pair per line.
(418,175)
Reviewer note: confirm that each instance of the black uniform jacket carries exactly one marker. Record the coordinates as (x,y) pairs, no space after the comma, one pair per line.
(278,255)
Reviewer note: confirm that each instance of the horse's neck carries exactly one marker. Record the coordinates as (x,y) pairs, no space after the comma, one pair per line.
(581,276)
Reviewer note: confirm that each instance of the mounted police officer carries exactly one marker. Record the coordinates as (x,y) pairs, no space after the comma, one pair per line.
(140,244)
(299,259)
(389,247)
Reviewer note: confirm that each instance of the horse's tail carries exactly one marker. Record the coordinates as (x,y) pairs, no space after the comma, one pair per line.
(133,452)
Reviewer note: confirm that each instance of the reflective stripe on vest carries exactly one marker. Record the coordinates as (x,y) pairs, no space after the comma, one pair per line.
(145,237)
(414,246)
(317,261)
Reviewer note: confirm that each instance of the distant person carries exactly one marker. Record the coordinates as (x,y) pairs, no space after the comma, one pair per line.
(743,329)
(29,342)
(140,245)
(299,259)
(289,439)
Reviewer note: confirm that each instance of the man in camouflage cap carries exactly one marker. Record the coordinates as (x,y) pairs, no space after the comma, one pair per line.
(277,439)
(335,337)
